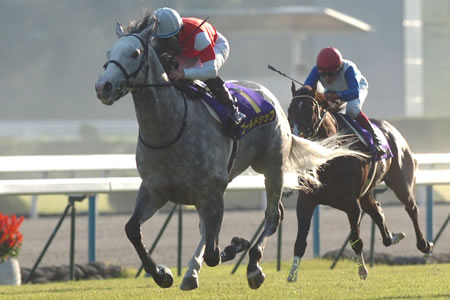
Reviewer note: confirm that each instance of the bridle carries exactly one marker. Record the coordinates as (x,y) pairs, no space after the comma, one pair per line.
(312,131)
(143,65)
(133,88)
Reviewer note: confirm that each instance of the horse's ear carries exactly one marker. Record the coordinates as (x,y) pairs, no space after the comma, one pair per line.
(293,88)
(147,31)
(119,30)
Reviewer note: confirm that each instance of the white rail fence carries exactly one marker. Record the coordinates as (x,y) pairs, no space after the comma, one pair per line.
(433,171)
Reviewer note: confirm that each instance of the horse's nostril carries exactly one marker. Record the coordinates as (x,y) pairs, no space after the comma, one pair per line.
(108,86)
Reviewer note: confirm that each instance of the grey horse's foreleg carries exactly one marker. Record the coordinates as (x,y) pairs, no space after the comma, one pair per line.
(237,245)
(190,280)
(211,215)
(144,209)
(273,216)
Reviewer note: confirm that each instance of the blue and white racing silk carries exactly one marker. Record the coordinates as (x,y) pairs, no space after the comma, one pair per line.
(347,84)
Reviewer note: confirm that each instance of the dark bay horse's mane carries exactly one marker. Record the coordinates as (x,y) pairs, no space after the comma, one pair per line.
(136,26)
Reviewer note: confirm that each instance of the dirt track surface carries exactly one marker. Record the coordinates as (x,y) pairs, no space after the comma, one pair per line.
(112,245)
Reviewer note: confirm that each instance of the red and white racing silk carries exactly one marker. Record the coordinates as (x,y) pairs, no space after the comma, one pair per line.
(204,50)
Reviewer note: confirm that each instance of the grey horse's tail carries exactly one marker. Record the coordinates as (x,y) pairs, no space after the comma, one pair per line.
(306,157)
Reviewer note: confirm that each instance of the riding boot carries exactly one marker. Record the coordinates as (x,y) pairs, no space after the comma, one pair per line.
(218,88)
(363,121)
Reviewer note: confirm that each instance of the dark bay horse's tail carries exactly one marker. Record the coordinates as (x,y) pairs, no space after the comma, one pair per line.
(307,156)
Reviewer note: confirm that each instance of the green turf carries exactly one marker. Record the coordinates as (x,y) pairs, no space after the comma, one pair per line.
(316,281)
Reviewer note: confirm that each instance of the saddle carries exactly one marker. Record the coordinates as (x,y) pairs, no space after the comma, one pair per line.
(257,109)
(365,137)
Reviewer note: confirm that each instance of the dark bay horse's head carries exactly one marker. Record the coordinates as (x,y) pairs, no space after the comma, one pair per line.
(127,61)
(304,112)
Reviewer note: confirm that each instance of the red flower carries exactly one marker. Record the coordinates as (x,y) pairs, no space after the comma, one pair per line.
(10,237)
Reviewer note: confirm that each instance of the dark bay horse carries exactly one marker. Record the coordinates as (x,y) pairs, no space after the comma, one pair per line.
(183,156)
(348,183)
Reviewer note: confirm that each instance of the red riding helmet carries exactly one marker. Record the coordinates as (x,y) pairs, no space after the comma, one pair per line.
(329,60)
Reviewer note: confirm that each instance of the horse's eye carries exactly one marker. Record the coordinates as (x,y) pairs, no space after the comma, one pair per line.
(136,53)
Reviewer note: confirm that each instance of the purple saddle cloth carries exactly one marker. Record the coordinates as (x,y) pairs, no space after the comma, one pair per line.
(368,140)
(257,109)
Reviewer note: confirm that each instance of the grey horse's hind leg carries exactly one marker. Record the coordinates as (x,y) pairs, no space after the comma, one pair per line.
(273,216)
(146,206)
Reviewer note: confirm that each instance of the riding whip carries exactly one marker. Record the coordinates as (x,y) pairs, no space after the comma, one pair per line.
(281,73)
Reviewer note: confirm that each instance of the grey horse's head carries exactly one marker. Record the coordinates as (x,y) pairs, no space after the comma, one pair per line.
(127,65)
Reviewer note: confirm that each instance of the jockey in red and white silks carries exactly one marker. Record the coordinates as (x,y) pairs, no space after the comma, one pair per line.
(202,51)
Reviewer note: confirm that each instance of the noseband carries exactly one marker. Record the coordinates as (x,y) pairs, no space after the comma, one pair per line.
(312,131)
(143,64)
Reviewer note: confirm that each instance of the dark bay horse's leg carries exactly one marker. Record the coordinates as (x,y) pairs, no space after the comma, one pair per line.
(374,210)
(146,206)
(305,209)
(273,217)
(354,218)
(401,179)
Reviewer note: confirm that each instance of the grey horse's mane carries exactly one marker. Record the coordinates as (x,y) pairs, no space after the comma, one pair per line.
(136,26)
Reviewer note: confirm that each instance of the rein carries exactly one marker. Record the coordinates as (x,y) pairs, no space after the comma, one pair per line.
(183,126)
(136,87)
(315,128)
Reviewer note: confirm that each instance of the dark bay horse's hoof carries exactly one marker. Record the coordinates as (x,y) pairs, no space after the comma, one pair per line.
(255,278)
(189,283)
(164,277)
(425,247)
(362,272)
(429,249)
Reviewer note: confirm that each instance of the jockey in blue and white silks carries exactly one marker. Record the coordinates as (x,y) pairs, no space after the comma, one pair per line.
(342,80)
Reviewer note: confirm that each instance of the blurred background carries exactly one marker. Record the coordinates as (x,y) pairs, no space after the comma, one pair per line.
(52,52)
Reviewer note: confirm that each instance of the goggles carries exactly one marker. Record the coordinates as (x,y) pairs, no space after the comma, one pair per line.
(328,74)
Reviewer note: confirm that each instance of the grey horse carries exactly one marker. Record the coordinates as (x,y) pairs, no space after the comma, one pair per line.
(182,155)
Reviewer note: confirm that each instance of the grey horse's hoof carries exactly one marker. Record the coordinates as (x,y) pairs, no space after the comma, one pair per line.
(212,259)
(164,278)
(255,278)
(240,244)
(189,283)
